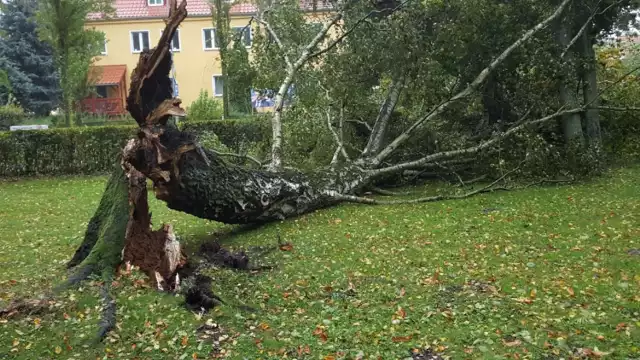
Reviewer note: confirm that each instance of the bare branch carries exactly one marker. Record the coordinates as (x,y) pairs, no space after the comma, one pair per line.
(431,159)
(453,172)
(612,108)
(336,137)
(240,156)
(386,192)
(616,82)
(335,42)
(586,25)
(488,188)
(384,114)
(472,87)
(361,123)
(276,38)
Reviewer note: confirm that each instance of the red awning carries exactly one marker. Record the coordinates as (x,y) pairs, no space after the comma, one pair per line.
(107,74)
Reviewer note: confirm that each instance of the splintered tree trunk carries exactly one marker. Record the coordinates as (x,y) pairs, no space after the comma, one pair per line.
(202,184)
(189,179)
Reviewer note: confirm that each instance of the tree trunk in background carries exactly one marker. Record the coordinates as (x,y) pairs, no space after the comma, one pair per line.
(590,91)
(571,124)
(222,37)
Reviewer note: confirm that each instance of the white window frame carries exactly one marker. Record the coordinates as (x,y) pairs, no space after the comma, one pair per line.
(213,86)
(250,34)
(141,45)
(106,51)
(179,41)
(153,3)
(214,42)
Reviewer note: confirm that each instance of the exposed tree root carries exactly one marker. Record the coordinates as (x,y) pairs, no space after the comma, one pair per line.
(26,307)
(108,315)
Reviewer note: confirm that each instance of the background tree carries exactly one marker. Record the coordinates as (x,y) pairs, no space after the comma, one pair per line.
(221,22)
(27,60)
(237,74)
(61,23)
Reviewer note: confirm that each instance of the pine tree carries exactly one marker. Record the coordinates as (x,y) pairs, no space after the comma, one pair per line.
(26,59)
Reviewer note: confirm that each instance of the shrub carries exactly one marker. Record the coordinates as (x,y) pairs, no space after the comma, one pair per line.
(250,135)
(204,108)
(91,150)
(10,115)
(80,150)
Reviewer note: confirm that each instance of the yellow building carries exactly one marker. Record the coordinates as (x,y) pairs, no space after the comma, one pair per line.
(137,25)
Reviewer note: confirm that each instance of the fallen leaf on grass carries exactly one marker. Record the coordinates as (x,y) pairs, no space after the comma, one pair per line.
(620,327)
(571,292)
(303,350)
(319,332)
(329,357)
(397,339)
(513,343)
(524,300)
(432,280)
(286,247)
(595,353)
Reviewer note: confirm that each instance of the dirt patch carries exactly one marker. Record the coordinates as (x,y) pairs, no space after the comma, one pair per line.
(197,287)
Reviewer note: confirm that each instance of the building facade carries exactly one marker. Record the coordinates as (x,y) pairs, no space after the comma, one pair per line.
(137,25)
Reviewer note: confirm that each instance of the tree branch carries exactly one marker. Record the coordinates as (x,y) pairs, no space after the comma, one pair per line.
(256,161)
(364,123)
(612,108)
(472,87)
(384,114)
(335,42)
(430,159)
(585,26)
(489,188)
(276,38)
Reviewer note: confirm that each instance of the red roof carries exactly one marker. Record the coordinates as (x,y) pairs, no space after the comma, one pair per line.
(107,74)
(139,9)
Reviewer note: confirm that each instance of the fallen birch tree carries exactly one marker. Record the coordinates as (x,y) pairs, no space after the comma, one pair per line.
(197,181)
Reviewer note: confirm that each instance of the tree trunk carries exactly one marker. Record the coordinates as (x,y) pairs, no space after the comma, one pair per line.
(276,122)
(590,92)
(105,234)
(379,131)
(201,184)
(222,37)
(571,123)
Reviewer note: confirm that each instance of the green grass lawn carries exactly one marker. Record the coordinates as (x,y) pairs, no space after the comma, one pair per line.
(550,274)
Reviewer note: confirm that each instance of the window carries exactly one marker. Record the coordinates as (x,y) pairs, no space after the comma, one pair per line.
(139,41)
(101,91)
(104,47)
(209,39)
(243,33)
(155,2)
(175,42)
(218,85)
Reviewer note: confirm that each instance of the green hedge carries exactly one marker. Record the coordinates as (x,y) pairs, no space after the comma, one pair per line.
(237,134)
(61,151)
(90,150)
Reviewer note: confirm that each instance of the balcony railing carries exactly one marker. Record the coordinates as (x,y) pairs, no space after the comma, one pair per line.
(103,106)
